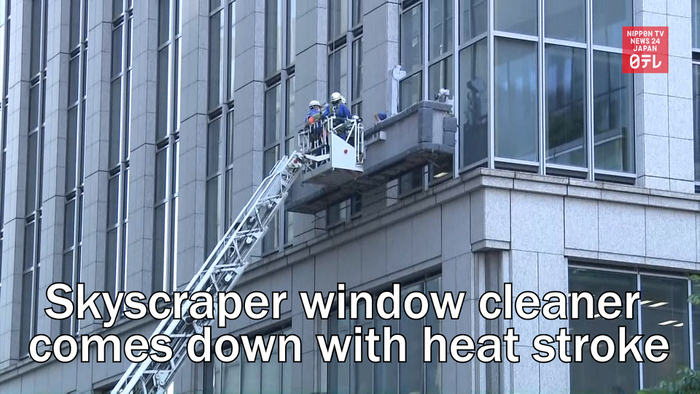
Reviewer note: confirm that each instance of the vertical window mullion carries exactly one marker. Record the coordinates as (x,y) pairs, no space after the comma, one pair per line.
(589,138)
(690,327)
(640,383)
(223,99)
(542,124)
(491,85)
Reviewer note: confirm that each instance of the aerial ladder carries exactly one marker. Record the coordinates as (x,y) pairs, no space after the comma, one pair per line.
(337,144)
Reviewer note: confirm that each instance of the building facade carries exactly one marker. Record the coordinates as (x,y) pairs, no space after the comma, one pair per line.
(134,131)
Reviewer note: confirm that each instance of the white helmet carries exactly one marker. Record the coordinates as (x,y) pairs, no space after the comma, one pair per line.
(335,97)
(314,103)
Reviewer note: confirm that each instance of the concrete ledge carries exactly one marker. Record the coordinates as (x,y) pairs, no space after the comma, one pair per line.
(488,245)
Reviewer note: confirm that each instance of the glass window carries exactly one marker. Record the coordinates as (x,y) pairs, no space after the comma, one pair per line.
(440,76)
(696,118)
(292,31)
(516,16)
(411,90)
(31,173)
(695,5)
(356,69)
(356,12)
(412,39)
(273,36)
(473,103)
(213,147)
(411,181)
(273,115)
(413,376)
(565,19)
(291,115)
(71,148)
(696,324)
(516,100)
(664,308)
(411,381)
(336,214)
(241,376)
(115,122)
(35,52)
(611,377)
(565,78)
(163,21)
(74,22)
(609,17)
(440,21)
(159,247)
(473,19)
(232,48)
(271,240)
(117,50)
(666,315)
(212,214)
(338,70)
(215,38)
(162,102)
(338,18)
(613,114)
(26,314)
(28,246)
(73,78)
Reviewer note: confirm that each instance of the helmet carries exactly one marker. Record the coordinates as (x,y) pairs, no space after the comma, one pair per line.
(314,103)
(335,97)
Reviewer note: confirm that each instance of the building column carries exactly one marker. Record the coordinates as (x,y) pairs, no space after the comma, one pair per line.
(96,151)
(15,173)
(380,53)
(249,98)
(53,193)
(664,103)
(193,140)
(142,145)
(311,73)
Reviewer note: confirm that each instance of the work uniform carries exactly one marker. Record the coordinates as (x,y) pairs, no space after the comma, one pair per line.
(341,112)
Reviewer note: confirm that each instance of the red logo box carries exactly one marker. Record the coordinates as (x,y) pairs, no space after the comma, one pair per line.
(645,50)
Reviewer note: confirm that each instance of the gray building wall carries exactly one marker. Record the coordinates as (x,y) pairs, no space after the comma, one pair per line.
(481,229)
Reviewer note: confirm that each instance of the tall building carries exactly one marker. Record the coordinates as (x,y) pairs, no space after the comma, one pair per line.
(133,132)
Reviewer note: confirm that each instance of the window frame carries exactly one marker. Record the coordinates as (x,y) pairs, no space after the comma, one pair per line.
(223,112)
(638,273)
(167,144)
(31,263)
(278,235)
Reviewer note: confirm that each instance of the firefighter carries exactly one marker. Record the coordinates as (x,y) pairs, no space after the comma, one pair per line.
(340,112)
(313,122)
(337,108)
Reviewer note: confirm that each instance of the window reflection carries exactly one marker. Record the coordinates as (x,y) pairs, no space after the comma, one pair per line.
(609,17)
(473,18)
(413,376)
(473,103)
(516,100)
(695,5)
(565,19)
(516,16)
(611,377)
(696,120)
(614,114)
(666,315)
(565,105)
(663,309)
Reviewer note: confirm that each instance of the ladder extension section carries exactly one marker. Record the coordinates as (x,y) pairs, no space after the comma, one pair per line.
(219,273)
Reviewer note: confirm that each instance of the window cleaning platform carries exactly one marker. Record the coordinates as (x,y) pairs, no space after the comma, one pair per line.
(420,135)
